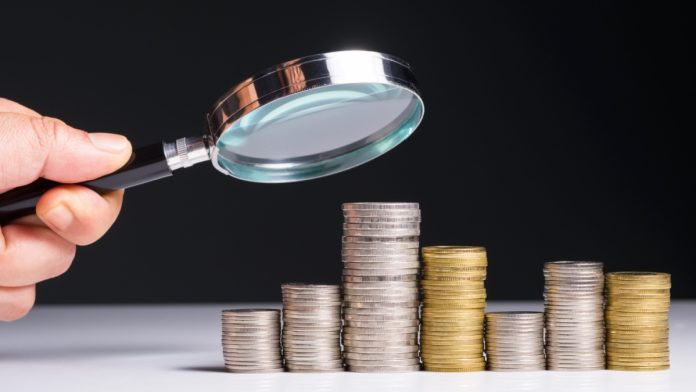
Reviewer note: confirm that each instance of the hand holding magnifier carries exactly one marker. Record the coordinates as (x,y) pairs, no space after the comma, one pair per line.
(303,119)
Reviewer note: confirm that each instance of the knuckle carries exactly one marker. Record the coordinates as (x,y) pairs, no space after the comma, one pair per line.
(48,131)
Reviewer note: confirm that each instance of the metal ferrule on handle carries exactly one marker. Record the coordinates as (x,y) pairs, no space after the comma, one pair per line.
(146,164)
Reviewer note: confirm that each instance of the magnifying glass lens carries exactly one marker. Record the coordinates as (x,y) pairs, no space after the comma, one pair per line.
(319,131)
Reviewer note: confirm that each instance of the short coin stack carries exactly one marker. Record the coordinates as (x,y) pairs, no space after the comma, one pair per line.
(574,303)
(380,287)
(454,301)
(515,341)
(312,327)
(637,320)
(251,340)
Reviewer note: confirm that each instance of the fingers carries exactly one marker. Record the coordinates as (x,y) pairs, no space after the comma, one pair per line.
(16,302)
(33,147)
(79,214)
(8,106)
(30,254)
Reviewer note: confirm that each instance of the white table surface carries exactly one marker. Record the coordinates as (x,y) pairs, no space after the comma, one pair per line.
(177,348)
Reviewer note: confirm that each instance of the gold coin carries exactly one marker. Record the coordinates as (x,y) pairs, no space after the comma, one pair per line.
(639,309)
(463,283)
(638,275)
(454,305)
(452,314)
(439,355)
(440,249)
(456,259)
(631,301)
(430,264)
(478,368)
(443,294)
(452,339)
(463,360)
(460,342)
(444,298)
(431,326)
(444,314)
(627,291)
(627,322)
(639,362)
(469,269)
(440,268)
(644,300)
(637,339)
(629,351)
(440,275)
(630,358)
(455,362)
(458,289)
(612,312)
(636,332)
(638,368)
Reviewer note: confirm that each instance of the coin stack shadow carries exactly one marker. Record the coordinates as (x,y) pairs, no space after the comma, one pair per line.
(251,340)
(454,302)
(380,286)
(515,341)
(637,316)
(574,312)
(312,327)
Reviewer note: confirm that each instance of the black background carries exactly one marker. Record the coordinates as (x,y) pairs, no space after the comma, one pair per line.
(552,131)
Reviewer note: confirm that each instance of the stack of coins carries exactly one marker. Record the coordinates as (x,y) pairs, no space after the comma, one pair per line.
(454,301)
(380,286)
(251,340)
(515,341)
(312,327)
(637,320)
(574,303)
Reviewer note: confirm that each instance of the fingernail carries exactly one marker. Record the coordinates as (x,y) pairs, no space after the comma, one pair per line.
(109,142)
(59,217)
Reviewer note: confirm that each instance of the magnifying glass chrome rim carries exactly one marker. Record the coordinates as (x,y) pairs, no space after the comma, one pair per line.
(303,74)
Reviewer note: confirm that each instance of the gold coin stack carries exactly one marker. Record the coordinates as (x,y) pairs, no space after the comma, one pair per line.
(637,311)
(454,302)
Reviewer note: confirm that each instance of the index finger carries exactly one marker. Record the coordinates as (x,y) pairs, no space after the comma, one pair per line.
(7,106)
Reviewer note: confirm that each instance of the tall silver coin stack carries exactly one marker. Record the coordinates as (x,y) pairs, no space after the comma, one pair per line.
(574,304)
(380,286)
(312,327)
(251,340)
(515,341)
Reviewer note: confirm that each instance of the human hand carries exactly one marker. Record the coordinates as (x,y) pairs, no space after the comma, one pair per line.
(42,246)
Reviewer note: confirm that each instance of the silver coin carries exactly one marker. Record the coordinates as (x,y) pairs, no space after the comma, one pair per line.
(383,369)
(382,241)
(381,233)
(379,205)
(383,219)
(382,226)
(384,344)
(380,356)
(374,265)
(382,284)
(381,259)
(379,272)
(376,252)
(366,244)
(383,362)
(379,289)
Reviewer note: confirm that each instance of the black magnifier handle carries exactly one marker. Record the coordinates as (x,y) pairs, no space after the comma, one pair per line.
(146,164)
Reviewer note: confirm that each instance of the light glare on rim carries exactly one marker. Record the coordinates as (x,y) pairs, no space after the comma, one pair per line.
(315,116)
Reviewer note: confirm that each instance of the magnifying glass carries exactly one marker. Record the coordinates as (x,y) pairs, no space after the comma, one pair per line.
(305,118)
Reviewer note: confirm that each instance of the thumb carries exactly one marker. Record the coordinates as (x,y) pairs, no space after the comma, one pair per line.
(33,147)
